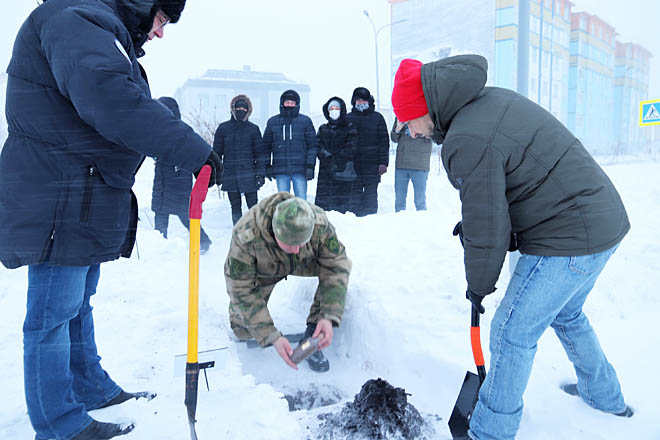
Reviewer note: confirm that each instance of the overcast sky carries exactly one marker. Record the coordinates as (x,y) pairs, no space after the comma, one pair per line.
(327,44)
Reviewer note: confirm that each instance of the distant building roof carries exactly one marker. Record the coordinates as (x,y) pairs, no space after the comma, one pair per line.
(247,75)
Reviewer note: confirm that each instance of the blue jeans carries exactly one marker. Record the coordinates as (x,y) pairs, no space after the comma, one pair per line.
(299,184)
(543,292)
(62,373)
(401,178)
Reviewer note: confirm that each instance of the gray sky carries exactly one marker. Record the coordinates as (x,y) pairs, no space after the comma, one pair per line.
(327,44)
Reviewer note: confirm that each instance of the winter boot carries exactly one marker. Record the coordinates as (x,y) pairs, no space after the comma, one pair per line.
(571,388)
(123,396)
(316,361)
(103,431)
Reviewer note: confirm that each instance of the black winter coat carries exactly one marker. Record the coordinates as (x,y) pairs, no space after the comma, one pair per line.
(80,121)
(291,140)
(337,146)
(373,142)
(518,169)
(240,146)
(172,185)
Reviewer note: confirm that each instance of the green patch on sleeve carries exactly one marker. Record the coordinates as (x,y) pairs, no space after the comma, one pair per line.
(238,269)
(333,244)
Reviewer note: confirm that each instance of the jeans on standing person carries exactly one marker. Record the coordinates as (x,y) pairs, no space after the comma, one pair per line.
(401,178)
(161,223)
(62,373)
(299,184)
(235,202)
(543,292)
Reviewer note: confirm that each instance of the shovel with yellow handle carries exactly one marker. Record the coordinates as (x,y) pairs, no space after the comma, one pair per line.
(197,197)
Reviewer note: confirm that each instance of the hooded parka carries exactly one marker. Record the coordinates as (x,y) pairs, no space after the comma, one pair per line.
(337,146)
(80,121)
(291,140)
(239,145)
(518,169)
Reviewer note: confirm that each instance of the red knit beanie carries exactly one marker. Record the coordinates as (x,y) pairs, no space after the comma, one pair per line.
(407,95)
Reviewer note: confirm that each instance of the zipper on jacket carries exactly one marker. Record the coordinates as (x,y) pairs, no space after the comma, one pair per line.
(87,196)
(48,247)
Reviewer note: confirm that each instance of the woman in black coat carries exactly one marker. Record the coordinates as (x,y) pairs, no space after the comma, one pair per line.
(239,145)
(337,147)
(171,190)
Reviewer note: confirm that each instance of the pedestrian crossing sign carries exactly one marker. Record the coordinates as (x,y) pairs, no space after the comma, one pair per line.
(649,113)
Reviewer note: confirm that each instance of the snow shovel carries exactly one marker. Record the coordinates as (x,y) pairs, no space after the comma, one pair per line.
(197,197)
(459,422)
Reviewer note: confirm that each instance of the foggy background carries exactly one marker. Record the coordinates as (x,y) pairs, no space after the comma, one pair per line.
(328,45)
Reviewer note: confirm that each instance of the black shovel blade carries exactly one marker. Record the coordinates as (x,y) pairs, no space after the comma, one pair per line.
(459,422)
(192,379)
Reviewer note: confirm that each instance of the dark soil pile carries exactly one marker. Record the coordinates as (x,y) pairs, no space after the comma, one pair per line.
(379,411)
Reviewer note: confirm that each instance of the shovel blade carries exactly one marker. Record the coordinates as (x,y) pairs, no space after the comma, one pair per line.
(459,422)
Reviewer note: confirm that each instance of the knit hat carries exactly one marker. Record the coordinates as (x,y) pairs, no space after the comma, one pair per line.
(241,103)
(334,103)
(293,221)
(408,99)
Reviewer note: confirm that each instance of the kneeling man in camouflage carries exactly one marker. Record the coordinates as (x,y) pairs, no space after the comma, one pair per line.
(284,235)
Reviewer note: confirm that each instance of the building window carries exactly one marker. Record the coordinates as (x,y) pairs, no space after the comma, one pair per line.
(583,23)
(534,23)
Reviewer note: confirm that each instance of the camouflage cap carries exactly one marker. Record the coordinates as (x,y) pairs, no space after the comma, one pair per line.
(293,221)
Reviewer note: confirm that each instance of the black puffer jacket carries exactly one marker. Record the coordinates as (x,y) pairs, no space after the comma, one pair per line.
(373,141)
(291,139)
(518,170)
(80,121)
(337,146)
(240,146)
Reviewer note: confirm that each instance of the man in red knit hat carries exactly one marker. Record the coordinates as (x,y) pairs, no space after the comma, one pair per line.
(525,182)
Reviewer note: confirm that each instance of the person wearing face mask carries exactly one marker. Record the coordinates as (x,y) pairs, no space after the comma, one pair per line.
(290,144)
(373,148)
(238,143)
(81,122)
(337,147)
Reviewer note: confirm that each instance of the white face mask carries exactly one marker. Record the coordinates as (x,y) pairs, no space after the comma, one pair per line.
(334,114)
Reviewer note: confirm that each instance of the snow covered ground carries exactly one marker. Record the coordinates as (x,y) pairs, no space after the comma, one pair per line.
(406,321)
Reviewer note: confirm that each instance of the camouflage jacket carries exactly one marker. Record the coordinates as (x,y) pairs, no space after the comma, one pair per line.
(256,263)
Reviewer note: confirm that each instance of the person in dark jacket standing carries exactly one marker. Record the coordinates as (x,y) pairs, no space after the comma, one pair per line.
(520,171)
(337,146)
(413,161)
(171,190)
(372,151)
(238,142)
(81,120)
(290,143)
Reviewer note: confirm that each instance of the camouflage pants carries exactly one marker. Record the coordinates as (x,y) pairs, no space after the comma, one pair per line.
(248,330)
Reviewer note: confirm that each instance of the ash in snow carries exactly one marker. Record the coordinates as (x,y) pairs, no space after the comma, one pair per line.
(379,411)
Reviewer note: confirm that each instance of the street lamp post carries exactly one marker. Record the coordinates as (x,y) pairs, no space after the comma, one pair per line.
(376,32)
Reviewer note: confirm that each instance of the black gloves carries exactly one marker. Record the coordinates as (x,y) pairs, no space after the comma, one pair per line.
(215,163)
(309,173)
(259,181)
(458,230)
(475,300)
(269,172)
